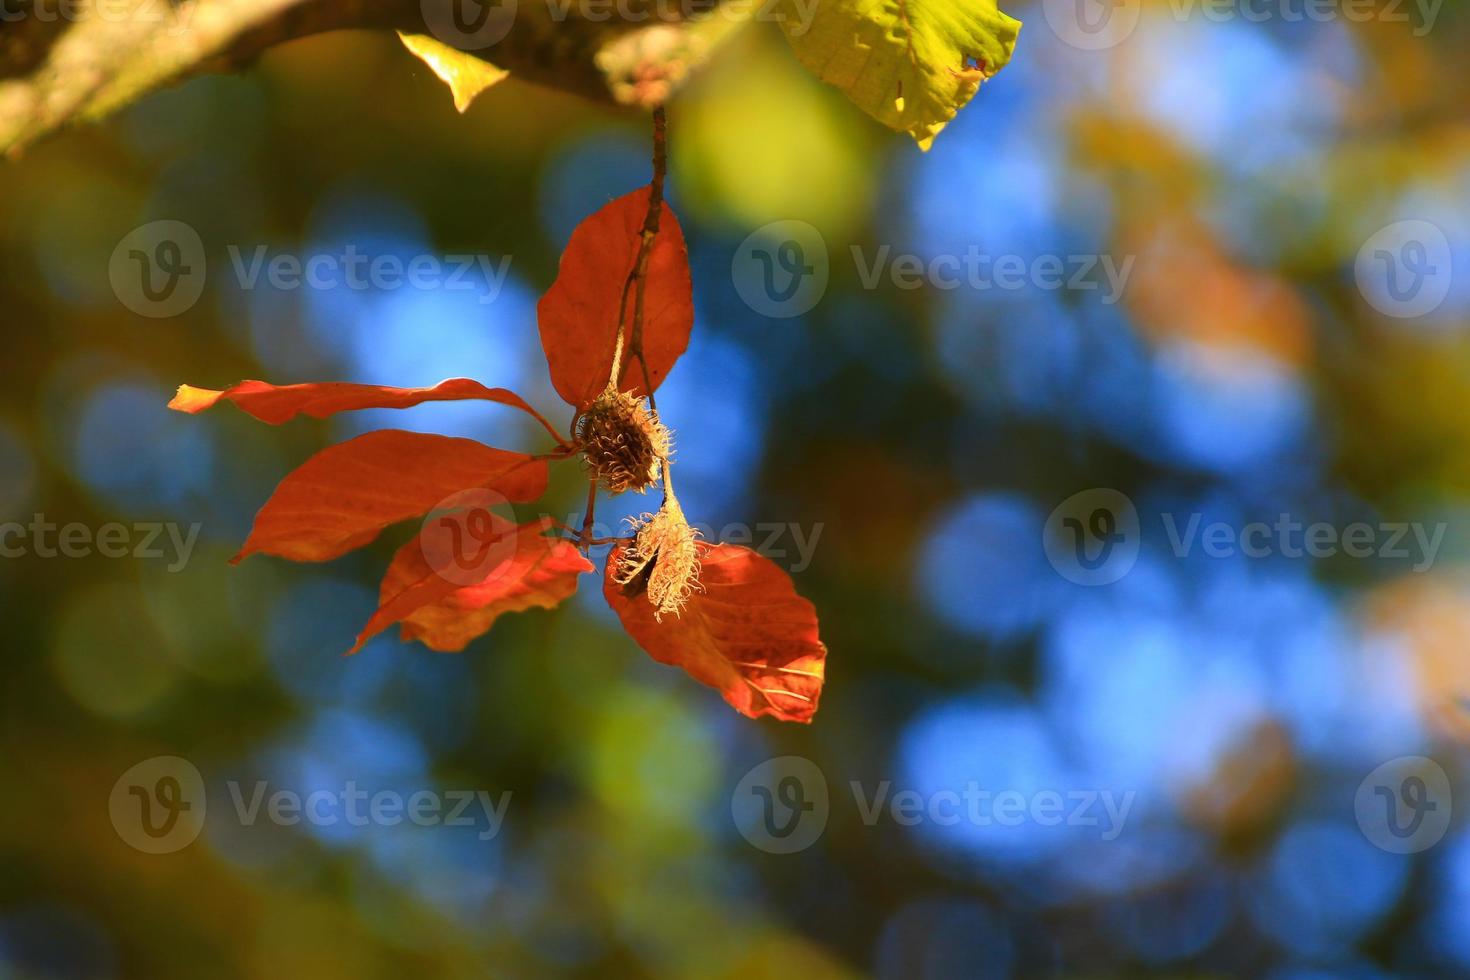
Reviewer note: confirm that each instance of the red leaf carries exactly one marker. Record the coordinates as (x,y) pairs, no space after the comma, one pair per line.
(748,633)
(275,404)
(342,497)
(429,591)
(579,313)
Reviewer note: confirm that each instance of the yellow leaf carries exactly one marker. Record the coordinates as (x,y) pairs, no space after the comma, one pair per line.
(910,64)
(466,75)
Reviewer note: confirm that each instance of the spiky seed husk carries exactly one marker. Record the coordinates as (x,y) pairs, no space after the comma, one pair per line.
(623,441)
(662,552)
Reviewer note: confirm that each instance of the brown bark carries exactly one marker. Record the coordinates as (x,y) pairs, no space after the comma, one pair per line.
(68,60)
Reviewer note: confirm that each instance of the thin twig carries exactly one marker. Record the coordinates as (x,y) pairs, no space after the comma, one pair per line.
(577,537)
(583,540)
(637,280)
(650,233)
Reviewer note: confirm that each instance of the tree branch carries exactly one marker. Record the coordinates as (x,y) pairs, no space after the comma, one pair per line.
(54,72)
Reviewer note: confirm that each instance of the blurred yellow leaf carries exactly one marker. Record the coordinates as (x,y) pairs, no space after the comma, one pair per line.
(754,120)
(910,64)
(466,75)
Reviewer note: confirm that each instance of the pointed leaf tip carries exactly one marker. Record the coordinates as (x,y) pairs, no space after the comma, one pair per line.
(277,404)
(193,400)
(466,75)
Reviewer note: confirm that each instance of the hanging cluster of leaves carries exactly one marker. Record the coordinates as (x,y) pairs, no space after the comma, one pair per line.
(911,64)
(613,325)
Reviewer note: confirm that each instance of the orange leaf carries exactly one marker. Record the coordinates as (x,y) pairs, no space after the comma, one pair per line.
(275,404)
(747,633)
(579,313)
(445,601)
(342,497)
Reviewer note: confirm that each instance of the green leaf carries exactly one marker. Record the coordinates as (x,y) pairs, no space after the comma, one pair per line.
(910,64)
(466,75)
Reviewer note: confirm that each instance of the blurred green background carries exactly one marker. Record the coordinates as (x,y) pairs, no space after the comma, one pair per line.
(1255,362)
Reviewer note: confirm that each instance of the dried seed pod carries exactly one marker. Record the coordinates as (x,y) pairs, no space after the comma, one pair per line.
(623,441)
(662,558)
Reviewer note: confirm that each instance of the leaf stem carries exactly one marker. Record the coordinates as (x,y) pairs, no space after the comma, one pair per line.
(564,450)
(668,481)
(637,280)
